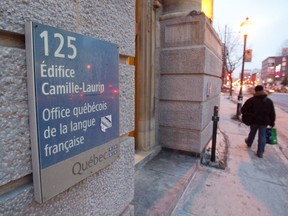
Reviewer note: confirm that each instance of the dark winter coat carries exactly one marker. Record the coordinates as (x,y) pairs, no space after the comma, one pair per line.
(262,107)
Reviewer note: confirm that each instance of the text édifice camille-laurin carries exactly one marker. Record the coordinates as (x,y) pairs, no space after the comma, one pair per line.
(59,71)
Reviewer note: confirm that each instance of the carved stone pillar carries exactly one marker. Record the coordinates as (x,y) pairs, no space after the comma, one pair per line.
(179,8)
(190,70)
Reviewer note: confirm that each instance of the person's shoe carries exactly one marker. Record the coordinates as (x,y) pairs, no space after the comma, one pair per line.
(260,155)
(246,141)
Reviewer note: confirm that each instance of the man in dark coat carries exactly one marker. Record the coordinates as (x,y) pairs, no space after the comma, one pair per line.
(264,114)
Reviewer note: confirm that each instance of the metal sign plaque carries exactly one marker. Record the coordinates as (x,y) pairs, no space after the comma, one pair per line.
(73,86)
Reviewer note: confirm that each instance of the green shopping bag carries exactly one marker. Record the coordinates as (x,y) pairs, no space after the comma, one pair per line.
(271,136)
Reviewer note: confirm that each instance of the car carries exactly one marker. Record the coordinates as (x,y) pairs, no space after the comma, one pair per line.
(251,90)
(268,91)
(284,89)
(226,88)
(280,88)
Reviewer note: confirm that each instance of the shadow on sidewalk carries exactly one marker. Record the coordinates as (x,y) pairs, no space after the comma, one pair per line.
(162,181)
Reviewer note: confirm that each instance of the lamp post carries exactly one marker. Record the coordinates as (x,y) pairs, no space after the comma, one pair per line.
(244,29)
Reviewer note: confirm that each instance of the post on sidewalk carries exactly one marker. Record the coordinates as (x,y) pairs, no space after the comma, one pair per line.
(239,104)
(215,120)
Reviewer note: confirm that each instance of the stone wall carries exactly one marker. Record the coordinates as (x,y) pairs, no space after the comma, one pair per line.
(190,70)
(107,192)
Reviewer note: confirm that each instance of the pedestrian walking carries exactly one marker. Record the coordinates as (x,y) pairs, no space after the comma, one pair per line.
(263,112)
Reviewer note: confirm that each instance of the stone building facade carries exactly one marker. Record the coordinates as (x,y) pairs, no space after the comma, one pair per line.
(169,83)
(107,192)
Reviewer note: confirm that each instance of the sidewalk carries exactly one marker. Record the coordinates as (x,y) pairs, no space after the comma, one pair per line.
(248,186)
(176,184)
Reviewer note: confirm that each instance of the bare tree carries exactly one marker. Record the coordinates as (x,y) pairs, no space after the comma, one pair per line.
(232,54)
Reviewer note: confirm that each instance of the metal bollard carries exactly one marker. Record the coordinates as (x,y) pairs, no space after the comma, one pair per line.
(215,120)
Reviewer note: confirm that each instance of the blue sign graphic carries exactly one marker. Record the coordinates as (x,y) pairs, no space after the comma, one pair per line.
(76,92)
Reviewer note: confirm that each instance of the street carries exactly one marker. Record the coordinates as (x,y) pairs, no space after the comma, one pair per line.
(281,106)
(280,100)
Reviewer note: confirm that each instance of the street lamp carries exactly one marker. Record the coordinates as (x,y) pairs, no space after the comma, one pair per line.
(245,27)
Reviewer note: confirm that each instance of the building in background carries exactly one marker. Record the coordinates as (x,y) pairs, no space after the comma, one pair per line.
(268,71)
(256,77)
(281,70)
(274,69)
(285,52)
(247,81)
